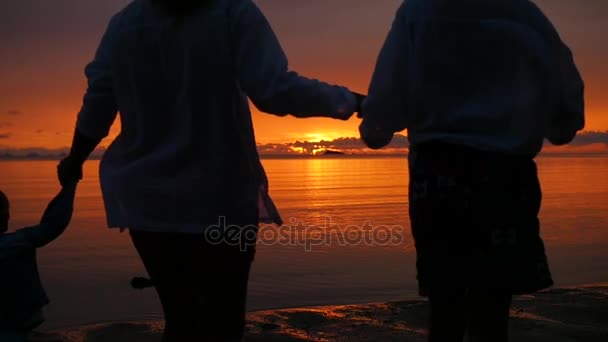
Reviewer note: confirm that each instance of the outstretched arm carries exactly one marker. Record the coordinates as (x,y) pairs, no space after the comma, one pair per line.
(264,75)
(384,109)
(55,219)
(98,112)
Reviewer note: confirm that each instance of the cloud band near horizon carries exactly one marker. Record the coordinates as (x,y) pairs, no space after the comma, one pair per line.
(349,145)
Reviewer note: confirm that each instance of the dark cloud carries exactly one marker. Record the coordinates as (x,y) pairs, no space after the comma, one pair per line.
(40,131)
(5,135)
(346,145)
(589,138)
(275,149)
(42,153)
(6,124)
(400,143)
(14,112)
(338,144)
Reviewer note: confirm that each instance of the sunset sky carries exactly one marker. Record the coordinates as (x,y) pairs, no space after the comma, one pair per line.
(46,44)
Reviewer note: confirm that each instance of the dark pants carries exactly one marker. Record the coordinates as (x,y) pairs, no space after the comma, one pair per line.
(202,285)
(480,313)
(474,218)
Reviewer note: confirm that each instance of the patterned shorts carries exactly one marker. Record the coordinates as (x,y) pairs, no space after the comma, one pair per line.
(475,220)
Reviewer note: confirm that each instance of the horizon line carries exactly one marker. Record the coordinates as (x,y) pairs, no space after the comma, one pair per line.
(348,146)
(312,156)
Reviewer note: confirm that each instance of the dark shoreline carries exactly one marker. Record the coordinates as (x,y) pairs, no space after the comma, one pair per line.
(557,315)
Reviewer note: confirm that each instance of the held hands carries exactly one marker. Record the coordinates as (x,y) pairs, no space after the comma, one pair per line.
(69,171)
(373,134)
(360,99)
(345,114)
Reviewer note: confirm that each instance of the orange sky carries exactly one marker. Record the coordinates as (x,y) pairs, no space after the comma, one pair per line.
(47,43)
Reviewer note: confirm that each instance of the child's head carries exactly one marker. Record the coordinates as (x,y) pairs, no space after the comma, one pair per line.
(4,213)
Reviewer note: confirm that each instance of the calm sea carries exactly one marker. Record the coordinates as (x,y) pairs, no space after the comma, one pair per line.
(337,259)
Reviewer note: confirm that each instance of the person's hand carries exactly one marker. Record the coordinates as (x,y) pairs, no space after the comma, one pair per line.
(346,115)
(69,171)
(360,99)
(374,136)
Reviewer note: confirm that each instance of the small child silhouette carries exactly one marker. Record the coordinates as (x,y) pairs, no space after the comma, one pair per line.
(21,292)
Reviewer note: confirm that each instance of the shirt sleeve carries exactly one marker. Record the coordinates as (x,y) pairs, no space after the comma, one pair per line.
(384,110)
(264,75)
(99,108)
(568,113)
(54,221)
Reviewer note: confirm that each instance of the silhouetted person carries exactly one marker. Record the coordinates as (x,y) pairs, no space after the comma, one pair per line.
(479,85)
(185,161)
(22,296)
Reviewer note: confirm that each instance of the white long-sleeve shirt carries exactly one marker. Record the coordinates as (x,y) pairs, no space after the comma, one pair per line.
(492,75)
(186,153)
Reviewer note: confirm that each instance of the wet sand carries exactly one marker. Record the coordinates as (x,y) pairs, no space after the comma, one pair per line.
(558,315)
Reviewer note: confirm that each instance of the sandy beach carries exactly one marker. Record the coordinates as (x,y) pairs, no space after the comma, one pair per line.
(559,315)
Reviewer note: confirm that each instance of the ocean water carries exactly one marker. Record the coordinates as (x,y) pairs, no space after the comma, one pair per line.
(346,238)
